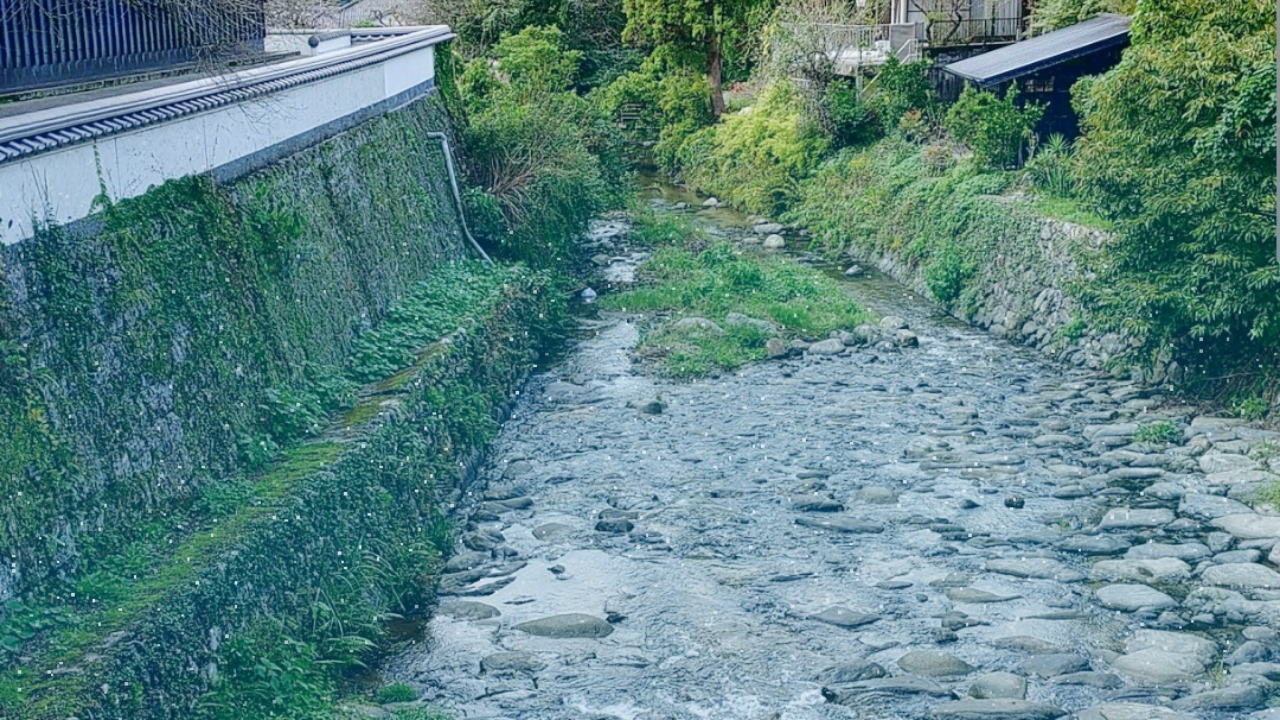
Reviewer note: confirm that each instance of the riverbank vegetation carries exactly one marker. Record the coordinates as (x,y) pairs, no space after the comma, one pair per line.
(721,307)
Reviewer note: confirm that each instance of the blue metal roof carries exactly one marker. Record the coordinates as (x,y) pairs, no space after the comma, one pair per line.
(1022,58)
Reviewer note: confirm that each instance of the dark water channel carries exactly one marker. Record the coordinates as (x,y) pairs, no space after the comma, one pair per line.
(879,533)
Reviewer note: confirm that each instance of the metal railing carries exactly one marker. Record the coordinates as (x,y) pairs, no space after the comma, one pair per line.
(47,42)
(952,32)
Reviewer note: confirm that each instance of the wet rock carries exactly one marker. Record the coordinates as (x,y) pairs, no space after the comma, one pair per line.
(1034,567)
(711,202)
(699,324)
(483,540)
(893,322)
(815,503)
(1208,507)
(616,526)
(995,709)
(1094,545)
(1236,697)
(906,339)
(1026,644)
(774,242)
(569,625)
(776,349)
(1100,680)
(1047,666)
(1249,526)
(466,561)
(737,319)
(1215,462)
(551,531)
(852,693)
(1157,570)
(998,685)
(1017,502)
(1248,576)
(1186,552)
(877,495)
(842,525)
(511,662)
(830,346)
(976,596)
(934,663)
(1131,598)
(468,610)
(1130,711)
(851,672)
(854,271)
(1124,518)
(1159,668)
(844,617)
(1265,670)
(767,228)
(1248,652)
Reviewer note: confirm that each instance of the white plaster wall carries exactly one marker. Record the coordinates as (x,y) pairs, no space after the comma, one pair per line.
(61,185)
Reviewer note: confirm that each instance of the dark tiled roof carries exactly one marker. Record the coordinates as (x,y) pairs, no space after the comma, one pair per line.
(1099,33)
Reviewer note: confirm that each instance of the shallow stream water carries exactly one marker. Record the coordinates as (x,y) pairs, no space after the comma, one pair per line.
(863,535)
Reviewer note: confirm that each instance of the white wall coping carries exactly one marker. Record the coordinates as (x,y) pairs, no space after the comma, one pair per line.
(43,130)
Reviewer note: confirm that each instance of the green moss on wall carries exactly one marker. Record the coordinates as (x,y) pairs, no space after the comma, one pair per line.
(189,333)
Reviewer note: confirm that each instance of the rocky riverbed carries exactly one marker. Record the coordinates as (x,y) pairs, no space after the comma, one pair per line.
(960,530)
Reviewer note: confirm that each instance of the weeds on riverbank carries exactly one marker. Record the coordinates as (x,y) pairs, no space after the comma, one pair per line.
(720,306)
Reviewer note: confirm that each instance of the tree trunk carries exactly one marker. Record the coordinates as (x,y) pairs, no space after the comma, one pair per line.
(714,67)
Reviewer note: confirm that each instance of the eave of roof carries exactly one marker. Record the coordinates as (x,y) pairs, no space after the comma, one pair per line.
(1023,58)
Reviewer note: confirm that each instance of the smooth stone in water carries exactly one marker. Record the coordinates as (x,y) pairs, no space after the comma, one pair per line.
(1159,668)
(830,346)
(849,693)
(1178,643)
(1247,576)
(1215,462)
(1047,666)
(774,242)
(996,709)
(1208,507)
(1249,526)
(1124,518)
(998,685)
(1034,567)
(468,610)
(1130,711)
(851,672)
(569,625)
(1094,545)
(815,503)
(844,617)
(549,531)
(510,662)
(1186,552)
(1131,598)
(1235,697)
(1157,570)
(974,595)
(933,663)
(841,524)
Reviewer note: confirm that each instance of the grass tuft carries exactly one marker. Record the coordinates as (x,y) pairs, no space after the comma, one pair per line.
(697,279)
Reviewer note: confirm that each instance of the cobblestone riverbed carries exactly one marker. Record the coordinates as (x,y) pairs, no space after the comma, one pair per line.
(961,530)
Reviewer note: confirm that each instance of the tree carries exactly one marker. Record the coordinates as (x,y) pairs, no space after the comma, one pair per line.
(1179,150)
(699,31)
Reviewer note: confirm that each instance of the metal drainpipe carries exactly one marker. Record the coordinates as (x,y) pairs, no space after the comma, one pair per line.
(457,194)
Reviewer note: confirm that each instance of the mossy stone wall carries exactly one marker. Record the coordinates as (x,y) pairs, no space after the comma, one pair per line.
(138,350)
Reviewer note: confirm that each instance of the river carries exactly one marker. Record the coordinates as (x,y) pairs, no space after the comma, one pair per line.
(963,529)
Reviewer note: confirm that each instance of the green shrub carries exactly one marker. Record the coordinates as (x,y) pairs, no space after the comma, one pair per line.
(900,88)
(1050,167)
(994,128)
(397,692)
(1253,407)
(1180,156)
(756,158)
(1160,433)
(546,160)
(845,117)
